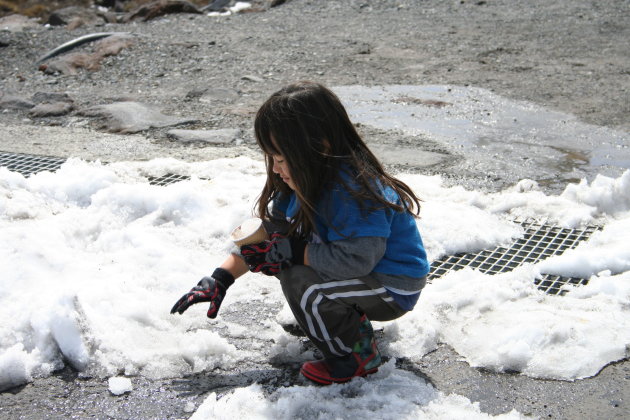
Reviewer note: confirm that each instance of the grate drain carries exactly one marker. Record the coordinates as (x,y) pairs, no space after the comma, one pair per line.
(555,285)
(167,179)
(30,164)
(540,241)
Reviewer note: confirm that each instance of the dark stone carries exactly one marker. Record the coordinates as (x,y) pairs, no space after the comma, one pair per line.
(160,8)
(51,97)
(71,14)
(15,102)
(115,5)
(275,3)
(196,93)
(217,6)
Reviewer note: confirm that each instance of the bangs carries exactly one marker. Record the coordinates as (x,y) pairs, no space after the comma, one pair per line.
(280,136)
(266,143)
(266,127)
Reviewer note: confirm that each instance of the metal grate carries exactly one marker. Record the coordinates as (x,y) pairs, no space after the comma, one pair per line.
(539,242)
(30,164)
(555,285)
(167,179)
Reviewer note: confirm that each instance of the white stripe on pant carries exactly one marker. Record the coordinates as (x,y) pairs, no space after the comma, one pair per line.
(329,312)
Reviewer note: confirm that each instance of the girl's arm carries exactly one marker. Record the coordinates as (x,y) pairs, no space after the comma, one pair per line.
(235,265)
(345,259)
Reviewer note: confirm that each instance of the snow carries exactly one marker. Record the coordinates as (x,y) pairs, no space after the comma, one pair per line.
(93,257)
(239,6)
(388,394)
(119,385)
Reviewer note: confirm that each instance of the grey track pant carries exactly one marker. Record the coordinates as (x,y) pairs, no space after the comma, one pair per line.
(329,311)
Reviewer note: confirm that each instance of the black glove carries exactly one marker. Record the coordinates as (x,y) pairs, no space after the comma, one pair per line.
(209,289)
(272,256)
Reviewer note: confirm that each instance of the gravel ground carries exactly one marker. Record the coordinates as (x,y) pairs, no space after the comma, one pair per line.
(567,55)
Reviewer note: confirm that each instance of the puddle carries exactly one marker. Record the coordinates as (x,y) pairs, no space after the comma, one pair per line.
(492,133)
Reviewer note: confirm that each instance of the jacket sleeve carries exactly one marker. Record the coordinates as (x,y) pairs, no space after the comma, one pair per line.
(347,258)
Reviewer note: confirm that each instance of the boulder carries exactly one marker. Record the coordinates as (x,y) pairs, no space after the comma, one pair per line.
(132,117)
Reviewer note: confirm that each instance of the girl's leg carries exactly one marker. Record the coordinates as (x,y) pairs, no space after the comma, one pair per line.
(335,316)
(329,311)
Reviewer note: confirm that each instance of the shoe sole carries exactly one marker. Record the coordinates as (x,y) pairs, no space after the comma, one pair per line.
(329,381)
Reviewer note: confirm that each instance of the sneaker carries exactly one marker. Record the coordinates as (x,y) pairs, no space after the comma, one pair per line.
(363,360)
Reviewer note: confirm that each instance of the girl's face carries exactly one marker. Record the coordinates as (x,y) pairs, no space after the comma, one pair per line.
(281,168)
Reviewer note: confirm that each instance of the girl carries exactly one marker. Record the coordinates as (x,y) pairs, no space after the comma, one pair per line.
(344,241)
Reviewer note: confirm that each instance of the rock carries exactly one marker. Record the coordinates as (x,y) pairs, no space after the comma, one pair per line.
(252,78)
(51,97)
(217,6)
(408,156)
(212,95)
(222,95)
(71,63)
(132,117)
(196,93)
(221,136)
(275,3)
(55,109)
(51,104)
(15,102)
(160,8)
(74,14)
(113,45)
(17,23)
(115,5)
(77,42)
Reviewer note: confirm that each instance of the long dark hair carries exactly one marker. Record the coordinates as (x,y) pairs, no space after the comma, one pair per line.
(307,124)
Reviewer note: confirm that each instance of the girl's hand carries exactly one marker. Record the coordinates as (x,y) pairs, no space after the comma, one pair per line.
(209,289)
(272,256)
